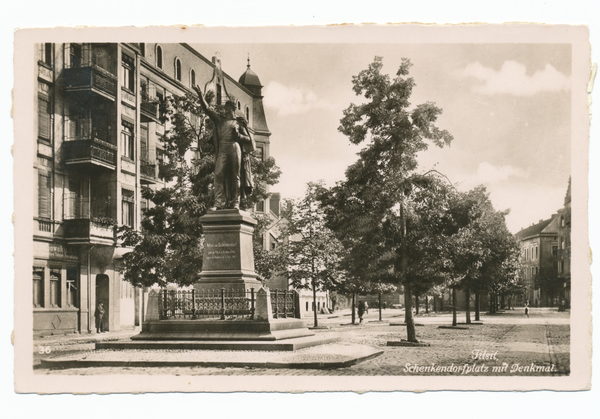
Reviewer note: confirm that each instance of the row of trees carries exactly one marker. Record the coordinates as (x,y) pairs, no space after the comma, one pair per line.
(385,226)
(397,227)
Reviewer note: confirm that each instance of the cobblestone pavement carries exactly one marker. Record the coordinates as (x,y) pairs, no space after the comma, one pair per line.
(538,345)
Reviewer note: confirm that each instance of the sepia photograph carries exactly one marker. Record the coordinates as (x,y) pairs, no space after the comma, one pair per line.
(349,208)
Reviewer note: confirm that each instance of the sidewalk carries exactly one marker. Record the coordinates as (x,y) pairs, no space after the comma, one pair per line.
(76,338)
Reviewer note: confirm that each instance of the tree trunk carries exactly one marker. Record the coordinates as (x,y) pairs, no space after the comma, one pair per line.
(491,305)
(442,303)
(411,334)
(468,312)
(353,308)
(426,304)
(434,303)
(502,302)
(477,306)
(379,306)
(454,307)
(314,289)
(416,303)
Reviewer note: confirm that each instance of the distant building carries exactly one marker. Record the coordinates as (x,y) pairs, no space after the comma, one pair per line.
(546,258)
(97,145)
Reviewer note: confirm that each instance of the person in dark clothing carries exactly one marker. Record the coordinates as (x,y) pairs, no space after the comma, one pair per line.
(99,318)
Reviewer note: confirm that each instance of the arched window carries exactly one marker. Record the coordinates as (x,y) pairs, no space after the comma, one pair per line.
(177,69)
(192,78)
(562,221)
(239,106)
(159,56)
(247,114)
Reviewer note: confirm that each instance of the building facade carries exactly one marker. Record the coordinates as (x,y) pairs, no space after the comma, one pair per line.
(546,258)
(97,146)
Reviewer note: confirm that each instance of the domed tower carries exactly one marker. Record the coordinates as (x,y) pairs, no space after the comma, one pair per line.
(258,125)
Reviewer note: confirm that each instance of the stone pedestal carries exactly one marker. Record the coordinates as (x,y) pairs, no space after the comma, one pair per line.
(228,263)
(228,252)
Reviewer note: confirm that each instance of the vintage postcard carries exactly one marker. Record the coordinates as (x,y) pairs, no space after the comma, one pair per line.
(343,208)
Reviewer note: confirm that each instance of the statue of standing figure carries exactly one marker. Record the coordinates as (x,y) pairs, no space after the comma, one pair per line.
(233,142)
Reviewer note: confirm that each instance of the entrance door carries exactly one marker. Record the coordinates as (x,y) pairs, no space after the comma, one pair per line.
(102,295)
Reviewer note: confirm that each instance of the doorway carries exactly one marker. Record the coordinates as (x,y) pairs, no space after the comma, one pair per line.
(102,295)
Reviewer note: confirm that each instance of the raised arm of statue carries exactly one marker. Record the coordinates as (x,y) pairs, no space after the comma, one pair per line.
(211,114)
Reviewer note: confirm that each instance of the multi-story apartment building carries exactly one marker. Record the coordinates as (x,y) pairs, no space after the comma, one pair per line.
(97,146)
(546,258)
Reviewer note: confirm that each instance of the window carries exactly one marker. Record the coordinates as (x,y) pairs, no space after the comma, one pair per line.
(307,306)
(127,207)
(159,57)
(260,206)
(46,54)
(127,140)
(55,277)
(75,55)
(260,153)
(72,287)
(192,78)
(128,72)
(239,105)
(44,195)
(247,114)
(38,286)
(562,243)
(177,69)
(562,221)
(560,266)
(536,252)
(44,117)
(144,152)
(554,250)
(218,94)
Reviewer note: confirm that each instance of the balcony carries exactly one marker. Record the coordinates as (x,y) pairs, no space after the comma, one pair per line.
(90,154)
(148,108)
(148,172)
(86,231)
(92,79)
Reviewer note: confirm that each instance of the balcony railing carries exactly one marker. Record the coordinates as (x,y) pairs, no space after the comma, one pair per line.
(88,231)
(96,152)
(91,78)
(148,170)
(148,108)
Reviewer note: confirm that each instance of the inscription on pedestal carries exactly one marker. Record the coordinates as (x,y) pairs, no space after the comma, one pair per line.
(222,252)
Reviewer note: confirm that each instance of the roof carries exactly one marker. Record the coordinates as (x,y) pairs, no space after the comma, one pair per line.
(249,78)
(534,229)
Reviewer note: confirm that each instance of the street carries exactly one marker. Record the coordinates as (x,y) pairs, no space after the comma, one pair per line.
(505,344)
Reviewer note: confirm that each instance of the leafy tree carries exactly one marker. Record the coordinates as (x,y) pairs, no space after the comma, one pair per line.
(378,185)
(312,253)
(168,248)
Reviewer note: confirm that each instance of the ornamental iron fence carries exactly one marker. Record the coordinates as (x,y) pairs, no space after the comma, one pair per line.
(223,304)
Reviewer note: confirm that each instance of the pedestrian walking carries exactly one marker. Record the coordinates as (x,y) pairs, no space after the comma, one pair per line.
(99,317)
(527,308)
(361,310)
(366,307)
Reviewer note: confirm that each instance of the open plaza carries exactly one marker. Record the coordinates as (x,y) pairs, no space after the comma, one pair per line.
(504,344)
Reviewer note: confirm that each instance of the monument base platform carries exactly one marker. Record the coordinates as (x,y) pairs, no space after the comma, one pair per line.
(292,344)
(232,330)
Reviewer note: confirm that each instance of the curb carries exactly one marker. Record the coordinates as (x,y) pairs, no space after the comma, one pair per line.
(66,364)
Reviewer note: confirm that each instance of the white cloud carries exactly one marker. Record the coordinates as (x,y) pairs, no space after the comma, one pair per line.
(512,79)
(488,174)
(292,101)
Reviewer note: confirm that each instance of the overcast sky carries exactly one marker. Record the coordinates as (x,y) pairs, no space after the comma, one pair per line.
(507,106)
